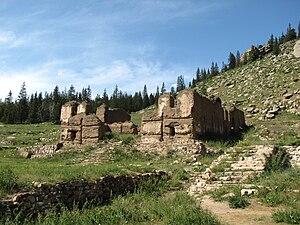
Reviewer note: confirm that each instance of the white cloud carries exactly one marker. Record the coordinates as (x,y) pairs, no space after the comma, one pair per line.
(129,75)
(9,39)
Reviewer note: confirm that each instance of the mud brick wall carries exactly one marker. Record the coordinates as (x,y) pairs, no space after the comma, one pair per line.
(76,192)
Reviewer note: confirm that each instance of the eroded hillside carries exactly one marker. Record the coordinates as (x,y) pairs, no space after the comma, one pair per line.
(262,88)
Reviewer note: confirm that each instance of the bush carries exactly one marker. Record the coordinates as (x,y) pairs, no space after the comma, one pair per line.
(291,216)
(8,180)
(238,201)
(127,140)
(278,161)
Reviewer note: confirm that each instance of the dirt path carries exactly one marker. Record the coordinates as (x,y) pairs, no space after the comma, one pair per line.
(255,214)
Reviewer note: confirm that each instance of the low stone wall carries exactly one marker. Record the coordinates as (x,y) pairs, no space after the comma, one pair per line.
(39,151)
(76,192)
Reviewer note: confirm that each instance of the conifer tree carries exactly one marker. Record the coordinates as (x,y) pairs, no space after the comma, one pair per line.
(105,98)
(271,41)
(151,99)
(146,101)
(290,34)
(231,61)
(180,83)
(198,75)
(22,104)
(237,58)
(276,49)
(9,114)
(33,116)
(56,105)
(299,29)
(163,88)
(71,93)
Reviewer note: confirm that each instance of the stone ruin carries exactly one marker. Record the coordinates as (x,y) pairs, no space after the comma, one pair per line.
(79,126)
(190,117)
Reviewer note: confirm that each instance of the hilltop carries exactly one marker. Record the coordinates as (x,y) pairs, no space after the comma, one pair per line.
(261,88)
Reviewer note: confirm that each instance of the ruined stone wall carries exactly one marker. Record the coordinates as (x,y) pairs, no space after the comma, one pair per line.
(101,110)
(109,116)
(75,192)
(68,110)
(92,129)
(82,129)
(236,119)
(117,115)
(127,127)
(191,116)
(84,107)
(208,116)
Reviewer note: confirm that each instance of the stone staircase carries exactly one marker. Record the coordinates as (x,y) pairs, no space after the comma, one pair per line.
(234,167)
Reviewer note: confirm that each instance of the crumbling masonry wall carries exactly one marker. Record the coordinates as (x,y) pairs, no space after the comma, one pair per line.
(191,116)
(78,126)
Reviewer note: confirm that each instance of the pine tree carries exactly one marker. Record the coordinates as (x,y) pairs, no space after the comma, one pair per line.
(271,41)
(105,98)
(237,58)
(193,83)
(198,75)
(163,88)
(146,101)
(46,108)
(33,109)
(71,93)
(180,83)
(290,34)
(55,105)
(22,104)
(151,99)
(9,114)
(299,29)
(231,61)
(276,49)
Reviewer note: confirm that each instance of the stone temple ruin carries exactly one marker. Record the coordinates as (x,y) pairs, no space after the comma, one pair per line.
(190,117)
(79,126)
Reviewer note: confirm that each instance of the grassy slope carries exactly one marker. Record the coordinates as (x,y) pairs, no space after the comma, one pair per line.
(261,85)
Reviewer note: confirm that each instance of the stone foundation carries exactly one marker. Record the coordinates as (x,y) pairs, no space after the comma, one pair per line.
(76,192)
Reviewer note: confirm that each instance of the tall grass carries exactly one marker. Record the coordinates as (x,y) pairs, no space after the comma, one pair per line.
(138,208)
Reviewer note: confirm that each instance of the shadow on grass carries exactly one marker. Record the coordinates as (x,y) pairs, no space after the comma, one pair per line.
(228,140)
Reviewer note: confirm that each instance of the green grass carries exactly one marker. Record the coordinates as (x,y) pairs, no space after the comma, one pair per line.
(120,159)
(138,208)
(280,188)
(126,139)
(291,216)
(24,135)
(136,118)
(238,201)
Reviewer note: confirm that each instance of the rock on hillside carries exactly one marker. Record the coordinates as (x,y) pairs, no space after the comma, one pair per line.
(262,88)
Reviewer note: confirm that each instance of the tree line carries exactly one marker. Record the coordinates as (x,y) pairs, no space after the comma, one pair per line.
(234,60)
(39,107)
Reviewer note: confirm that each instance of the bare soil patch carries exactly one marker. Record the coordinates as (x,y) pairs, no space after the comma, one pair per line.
(255,214)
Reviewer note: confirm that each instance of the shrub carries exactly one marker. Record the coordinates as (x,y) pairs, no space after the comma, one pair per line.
(278,161)
(127,140)
(8,180)
(291,216)
(238,201)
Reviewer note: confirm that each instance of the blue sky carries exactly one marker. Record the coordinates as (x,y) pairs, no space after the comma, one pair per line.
(130,43)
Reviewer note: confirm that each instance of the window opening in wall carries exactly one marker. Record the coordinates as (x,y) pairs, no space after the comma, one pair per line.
(172,102)
(73,135)
(172,131)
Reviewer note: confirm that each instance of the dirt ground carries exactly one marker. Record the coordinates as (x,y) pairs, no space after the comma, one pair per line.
(255,214)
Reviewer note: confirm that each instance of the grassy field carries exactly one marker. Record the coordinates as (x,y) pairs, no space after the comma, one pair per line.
(12,135)
(163,204)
